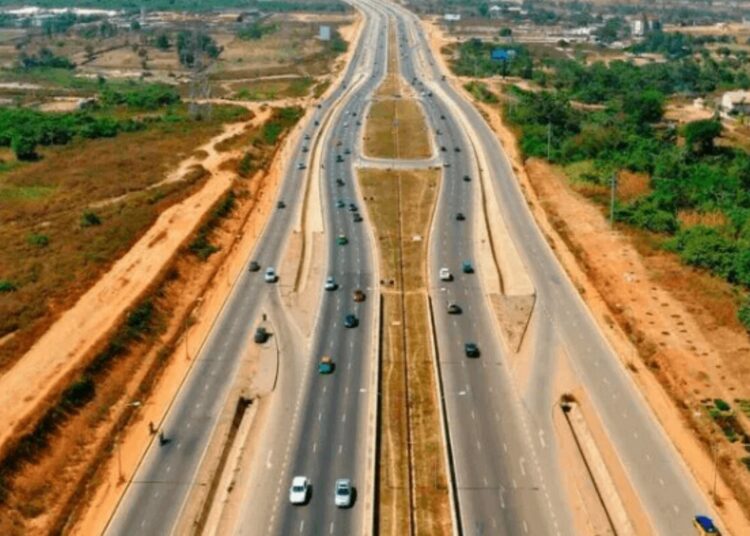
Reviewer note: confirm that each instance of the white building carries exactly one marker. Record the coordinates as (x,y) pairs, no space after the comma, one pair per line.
(736,102)
(452,17)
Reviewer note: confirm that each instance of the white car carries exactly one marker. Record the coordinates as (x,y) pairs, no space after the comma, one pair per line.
(344,493)
(330,283)
(270,275)
(300,490)
(445,275)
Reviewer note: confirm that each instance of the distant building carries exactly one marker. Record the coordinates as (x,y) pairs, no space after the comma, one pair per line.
(736,102)
(637,28)
(325,33)
(642,25)
(452,17)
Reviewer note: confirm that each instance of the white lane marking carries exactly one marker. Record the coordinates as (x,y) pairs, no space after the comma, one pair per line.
(521,462)
(541,439)
(330,531)
(315,446)
(302,525)
(341,448)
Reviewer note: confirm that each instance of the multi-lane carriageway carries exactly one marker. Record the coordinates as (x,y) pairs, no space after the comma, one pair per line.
(507,475)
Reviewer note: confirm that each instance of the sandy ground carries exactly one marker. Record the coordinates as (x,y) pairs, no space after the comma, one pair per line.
(60,351)
(700,357)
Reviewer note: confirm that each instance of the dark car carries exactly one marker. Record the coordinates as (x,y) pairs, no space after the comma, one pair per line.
(280,204)
(442,117)
(254,266)
(467,267)
(357,217)
(467,178)
(454,309)
(339,158)
(261,335)
(460,216)
(352,207)
(358,295)
(442,148)
(458,149)
(471,349)
(339,182)
(351,321)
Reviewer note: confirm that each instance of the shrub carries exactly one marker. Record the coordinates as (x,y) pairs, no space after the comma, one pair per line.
(89,219)
(743,314)
(7,286)
(38,240)
(24,147)
(705,247)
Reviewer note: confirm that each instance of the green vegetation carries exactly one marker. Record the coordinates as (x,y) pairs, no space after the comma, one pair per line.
(188,42)
(677,45)
(44,59)
(7,286)
(480,92)
(620,126)
(256,30)
(201,247)
(141,96)
(474,60)
(282,119)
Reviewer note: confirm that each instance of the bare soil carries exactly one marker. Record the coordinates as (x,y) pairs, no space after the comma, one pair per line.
(396,128)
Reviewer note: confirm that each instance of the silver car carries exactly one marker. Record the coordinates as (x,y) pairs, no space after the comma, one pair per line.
(344,493)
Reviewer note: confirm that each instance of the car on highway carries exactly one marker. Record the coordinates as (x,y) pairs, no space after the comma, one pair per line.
(340,203)
(358,295)
(443,149)
(351,321)
(467,267)
(458,149)
(347,151)
(330,283)
(280,204)
(270,275)
(442,117)
(471,349)
(357,217)
(460,216)
(326,365)
(299,491)
(339,158)
(467,178)
(301,165)
(261,335)
(254,266)
(340,182)
(307,136)
(445,274)
(305,149)
(454,309)
(705,526)
(352,207)
(342,240)
(344,493)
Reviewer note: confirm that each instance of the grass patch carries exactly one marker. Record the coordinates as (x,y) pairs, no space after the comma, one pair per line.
(396,128)
(273,89)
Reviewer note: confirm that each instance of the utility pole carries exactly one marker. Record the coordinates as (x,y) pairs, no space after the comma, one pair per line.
(713,451)
(612,196)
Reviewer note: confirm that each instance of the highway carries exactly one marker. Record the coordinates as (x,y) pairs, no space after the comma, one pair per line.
(508,475)
(561,321)
(155,497)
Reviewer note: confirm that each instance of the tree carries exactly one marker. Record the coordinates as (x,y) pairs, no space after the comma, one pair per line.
(24,146)
(644,106)
(135,26)
(700,135)
(162,42)
(506,32)
(484,9)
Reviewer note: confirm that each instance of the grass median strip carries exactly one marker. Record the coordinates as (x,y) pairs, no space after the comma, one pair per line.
(396,129)
(413,490)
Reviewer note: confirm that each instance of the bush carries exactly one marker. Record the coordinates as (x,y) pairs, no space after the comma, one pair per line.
(743,314)
(142,96)
(24,147)
(7,286)
(38,240)
(706,247)
(89,219)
